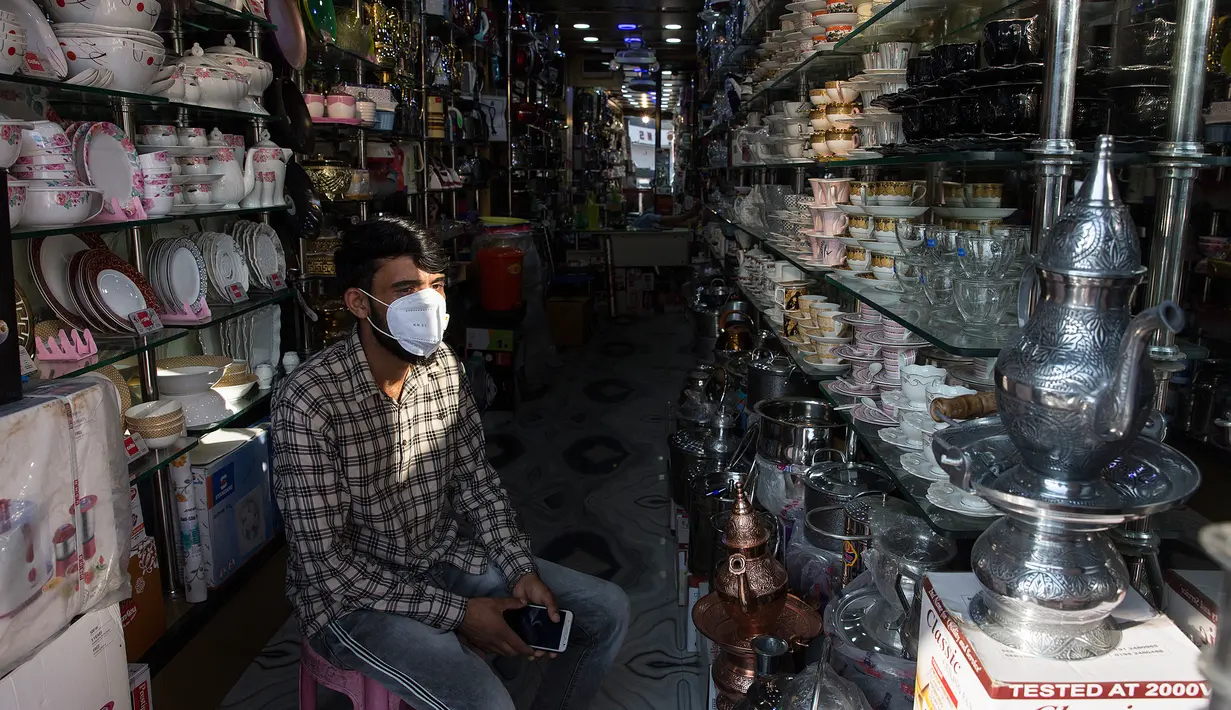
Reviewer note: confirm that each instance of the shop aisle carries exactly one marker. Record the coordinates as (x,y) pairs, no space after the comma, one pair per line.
(585,465)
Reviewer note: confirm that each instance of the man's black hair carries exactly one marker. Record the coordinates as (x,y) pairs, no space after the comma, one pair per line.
(368,244)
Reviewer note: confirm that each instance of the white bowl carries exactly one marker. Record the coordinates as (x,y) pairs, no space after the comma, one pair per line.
(133,62)
(45,137)
(190,379)
(158,205)
(233,393)
(204,408)
(47,159)
(48,206)
(26,172)
(10,144)
(137,14)
(12,52)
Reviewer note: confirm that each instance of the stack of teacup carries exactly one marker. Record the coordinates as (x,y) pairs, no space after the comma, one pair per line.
(159,191)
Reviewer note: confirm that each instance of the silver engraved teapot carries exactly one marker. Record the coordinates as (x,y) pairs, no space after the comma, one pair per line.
(1069,390)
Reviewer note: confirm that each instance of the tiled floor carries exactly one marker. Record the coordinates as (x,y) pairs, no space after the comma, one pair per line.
(585,465)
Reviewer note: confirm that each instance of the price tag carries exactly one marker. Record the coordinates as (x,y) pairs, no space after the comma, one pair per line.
(135,447)
(276,281)
(235,293)
(146,321)
(27,363)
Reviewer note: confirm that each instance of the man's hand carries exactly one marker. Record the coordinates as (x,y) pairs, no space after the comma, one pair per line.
(484,627)
(531,590)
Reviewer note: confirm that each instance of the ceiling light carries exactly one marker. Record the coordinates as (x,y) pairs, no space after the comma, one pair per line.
(581,26)
(673,27)
(667,72)
(645,119)
(626,26)
(674,40)
(589,39)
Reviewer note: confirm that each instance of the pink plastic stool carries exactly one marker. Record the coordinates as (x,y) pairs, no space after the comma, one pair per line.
(364,693)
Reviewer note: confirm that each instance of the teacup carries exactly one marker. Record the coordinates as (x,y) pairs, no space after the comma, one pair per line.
(316,105)
(857,258)
(828,192)
(192,136)
(830,251)
(787,294)
(159,135)
(898,192)
(894,330)
(917,378)
(810,301)
(829,222)
(829,325)
(863,193)
(884,229)
(955,194)
(983,194)
(927,443)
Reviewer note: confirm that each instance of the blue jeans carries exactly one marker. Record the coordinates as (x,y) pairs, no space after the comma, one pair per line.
(431,670)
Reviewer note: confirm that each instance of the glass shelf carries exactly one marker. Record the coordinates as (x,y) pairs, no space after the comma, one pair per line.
(922,319)
(921,20)
(208,7)
(214,111)
(224,312)
(111,349)
(975,158)
(118,226)
(329,51)
(254,398)
(59,92)
(822,66)
(913,488)
(157,458)
(769,245)
(787,345)
(756,27)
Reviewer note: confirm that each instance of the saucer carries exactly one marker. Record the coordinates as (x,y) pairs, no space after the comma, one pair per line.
(883,381)
(847,352)
(857,319)
(917,465)
(850,389)
(895,436)
(876,417)
(899,400)
(967,373)
(949,497)
(886,342)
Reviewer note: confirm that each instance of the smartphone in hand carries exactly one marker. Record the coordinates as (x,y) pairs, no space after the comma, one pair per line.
(535,627)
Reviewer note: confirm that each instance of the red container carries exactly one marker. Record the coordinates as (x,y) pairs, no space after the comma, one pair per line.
(500,270)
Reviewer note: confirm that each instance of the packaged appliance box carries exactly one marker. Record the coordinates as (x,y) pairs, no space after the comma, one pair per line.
(503,364)
(142,616)
(230,478)
(1153,668)
(1192,602)
(85,668)
(65,520)
(139,686)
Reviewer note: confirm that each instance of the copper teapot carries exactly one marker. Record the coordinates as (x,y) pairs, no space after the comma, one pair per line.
(752,583)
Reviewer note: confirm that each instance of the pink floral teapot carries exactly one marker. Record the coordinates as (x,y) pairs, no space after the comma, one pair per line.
(265,173)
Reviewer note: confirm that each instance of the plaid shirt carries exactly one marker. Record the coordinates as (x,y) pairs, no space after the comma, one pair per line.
(365,486)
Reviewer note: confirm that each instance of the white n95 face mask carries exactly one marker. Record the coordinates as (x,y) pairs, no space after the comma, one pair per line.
(417,320)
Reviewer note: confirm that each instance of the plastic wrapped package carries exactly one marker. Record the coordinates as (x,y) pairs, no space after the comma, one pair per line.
(813,573)
(65,522)
(888,682)
(778,487)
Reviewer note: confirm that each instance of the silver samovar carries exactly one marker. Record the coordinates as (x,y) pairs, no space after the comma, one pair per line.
(1065,458)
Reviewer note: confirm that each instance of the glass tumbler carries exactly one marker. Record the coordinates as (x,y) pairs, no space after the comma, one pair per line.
(982,256)
(939,244)
(982,301)
(937,280)
(908,268)
(913,237)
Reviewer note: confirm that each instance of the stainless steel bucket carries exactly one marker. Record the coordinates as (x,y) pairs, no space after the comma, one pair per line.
(773,377)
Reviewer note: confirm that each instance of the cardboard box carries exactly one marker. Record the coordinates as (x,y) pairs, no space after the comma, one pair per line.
(571,319)
(83,669)
(142,616)
(139,686)
(230,478)
(134,501)
(1153,668)
(1192,602)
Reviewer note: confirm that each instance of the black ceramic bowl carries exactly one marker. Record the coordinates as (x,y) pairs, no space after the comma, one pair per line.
(1010,42)
(1139,111)
(1010,109)
(1149,43)
(919,70)
(950,58)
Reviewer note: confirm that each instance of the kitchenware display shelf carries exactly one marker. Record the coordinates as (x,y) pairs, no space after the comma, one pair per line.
(203,15)
(224,312)
(922,319)
(769,246)
(111,349)
(915,489)
(1138,154)
(20,234)
(241,410)
(787,346)
(158,458)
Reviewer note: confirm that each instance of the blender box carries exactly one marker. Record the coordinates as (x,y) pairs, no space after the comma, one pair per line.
(1192,602)
(1153,668)
(230,480)
(84,667)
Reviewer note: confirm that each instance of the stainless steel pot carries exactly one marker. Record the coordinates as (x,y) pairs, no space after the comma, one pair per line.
(791,429)
(773,377)
(829,487)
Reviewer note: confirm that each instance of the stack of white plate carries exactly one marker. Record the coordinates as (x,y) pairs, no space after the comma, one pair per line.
(263,251)
(133,56)
(13,42)
(177,274)
(224,264)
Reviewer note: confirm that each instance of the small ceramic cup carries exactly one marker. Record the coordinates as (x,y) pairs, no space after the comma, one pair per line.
(264,375)
(191,136)
(316,105)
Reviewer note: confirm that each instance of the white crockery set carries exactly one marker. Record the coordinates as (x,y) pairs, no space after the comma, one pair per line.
(221,77)
(201,172)
(108,43)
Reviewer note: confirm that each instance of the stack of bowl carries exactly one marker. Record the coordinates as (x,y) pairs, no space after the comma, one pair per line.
(187,380)
(235,382)
(12,43)
(160,423)
(113,35)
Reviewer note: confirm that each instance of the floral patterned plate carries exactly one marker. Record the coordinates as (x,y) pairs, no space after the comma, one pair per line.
(108,160)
